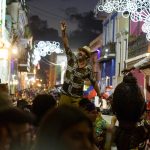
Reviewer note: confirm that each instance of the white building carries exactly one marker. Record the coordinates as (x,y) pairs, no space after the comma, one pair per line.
(122,33)
(4,45)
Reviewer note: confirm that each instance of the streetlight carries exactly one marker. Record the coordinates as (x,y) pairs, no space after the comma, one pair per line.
(15,50)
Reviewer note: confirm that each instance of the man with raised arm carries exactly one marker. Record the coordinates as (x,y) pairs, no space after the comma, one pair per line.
(78,70)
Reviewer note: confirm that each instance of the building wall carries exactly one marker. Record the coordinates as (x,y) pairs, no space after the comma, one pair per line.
(52,73)
(2,18)
(4,71)
(122,30)
(108,69)
(95,65)
(95,46)
(140,78)
(109,28)
(4,61)
(62,65)
(16,14)
(135,28)
(109,36)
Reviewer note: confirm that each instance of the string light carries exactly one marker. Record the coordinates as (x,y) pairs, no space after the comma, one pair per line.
(43,48)
(137,10)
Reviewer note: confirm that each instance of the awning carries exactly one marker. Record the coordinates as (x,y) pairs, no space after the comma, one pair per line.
(143,63)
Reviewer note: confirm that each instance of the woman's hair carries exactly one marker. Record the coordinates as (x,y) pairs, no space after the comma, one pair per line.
(55,123)
(128,103)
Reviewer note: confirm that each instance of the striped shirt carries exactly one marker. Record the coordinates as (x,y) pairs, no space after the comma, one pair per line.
(75,76)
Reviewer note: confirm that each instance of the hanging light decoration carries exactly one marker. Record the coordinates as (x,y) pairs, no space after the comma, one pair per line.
(43,48)
(137,10)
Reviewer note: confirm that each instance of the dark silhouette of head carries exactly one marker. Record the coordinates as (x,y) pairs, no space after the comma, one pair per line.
(22,103)
(87,105)
(56,123)
(5,101)
(128,103)
(41,104)
(15,115)
(15,128)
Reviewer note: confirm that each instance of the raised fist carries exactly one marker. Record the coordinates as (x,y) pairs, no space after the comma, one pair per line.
(63,26)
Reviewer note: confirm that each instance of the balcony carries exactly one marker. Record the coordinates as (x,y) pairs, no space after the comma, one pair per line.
(24,62)
(138,45)
(108,52)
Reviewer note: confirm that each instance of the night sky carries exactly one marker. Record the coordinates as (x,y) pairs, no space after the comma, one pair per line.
(56,10)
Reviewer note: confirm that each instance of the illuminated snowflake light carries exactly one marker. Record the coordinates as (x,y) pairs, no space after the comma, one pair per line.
(43,48)
(137,10)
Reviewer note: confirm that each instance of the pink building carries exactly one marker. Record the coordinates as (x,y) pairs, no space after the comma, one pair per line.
(136,28)
(140,78)
(138,50)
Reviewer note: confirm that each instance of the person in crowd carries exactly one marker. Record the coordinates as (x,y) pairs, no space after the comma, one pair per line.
(65,128)
(41,104)
(78,70)
(5,102)
(22,103)
(15,129)
(100,125)
(128,105)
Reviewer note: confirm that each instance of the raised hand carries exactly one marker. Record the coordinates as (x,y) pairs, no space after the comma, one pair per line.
(63,26)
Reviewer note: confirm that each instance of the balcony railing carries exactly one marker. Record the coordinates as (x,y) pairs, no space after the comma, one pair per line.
(108,49)
(137,45)
(108,52)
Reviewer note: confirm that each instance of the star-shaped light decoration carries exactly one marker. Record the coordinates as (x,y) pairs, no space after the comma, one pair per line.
(43,48)
(137,10)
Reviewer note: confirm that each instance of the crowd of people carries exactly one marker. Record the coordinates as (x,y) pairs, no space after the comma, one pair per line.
(48,125)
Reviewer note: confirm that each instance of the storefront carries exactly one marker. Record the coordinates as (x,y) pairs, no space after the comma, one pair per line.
(4,52)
